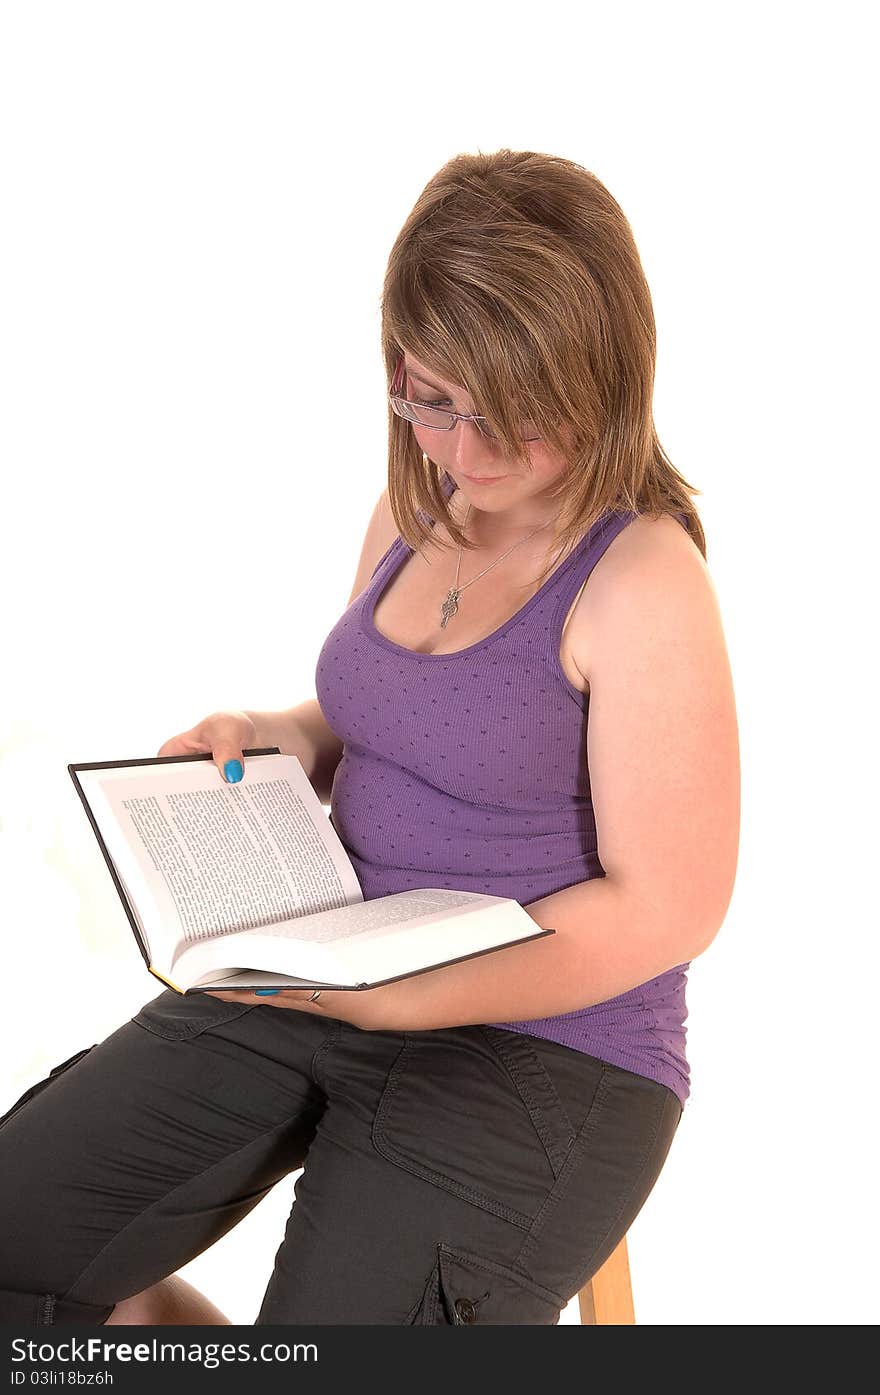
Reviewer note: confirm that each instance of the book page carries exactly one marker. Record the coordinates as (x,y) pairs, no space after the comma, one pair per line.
(202,858)
(369,942)
(403,908)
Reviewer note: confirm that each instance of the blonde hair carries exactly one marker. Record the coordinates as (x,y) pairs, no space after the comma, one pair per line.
(517,275)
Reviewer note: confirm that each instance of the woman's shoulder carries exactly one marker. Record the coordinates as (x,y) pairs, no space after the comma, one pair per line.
(646,545)
(649,557)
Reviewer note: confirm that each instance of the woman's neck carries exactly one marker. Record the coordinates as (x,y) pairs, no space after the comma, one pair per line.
(496,531)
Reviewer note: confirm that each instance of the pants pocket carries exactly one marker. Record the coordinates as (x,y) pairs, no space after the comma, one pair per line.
(556,1084)
(42,1084)
(180,1016)
(466,1288)
(479,1116)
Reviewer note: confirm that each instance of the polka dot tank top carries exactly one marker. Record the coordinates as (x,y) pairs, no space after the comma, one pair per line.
(467,771)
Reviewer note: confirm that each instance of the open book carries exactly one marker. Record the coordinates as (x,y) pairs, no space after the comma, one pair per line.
(248,885)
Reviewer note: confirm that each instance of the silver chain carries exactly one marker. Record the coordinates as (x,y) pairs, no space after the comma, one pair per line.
(450,604)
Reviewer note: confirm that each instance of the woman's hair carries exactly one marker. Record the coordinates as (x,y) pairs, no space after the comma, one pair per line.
(516,275)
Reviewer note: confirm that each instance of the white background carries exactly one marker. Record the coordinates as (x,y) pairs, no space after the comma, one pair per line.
(198,203)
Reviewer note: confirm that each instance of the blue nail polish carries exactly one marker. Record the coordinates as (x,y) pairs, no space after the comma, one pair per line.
(264,992)
(233,771)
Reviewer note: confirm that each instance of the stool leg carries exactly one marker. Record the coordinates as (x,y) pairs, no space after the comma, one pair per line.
(607,1299)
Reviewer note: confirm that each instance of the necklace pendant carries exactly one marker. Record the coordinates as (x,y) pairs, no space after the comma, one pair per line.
(449,607)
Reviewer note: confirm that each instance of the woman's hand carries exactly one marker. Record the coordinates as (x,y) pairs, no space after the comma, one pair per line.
(224,734)
(367,1010)
(283,998)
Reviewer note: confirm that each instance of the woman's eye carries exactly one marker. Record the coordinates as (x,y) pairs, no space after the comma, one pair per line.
(427,402)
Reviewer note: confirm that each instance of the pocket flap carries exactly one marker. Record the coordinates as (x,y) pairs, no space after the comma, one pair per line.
(179,1016)
(478,1290)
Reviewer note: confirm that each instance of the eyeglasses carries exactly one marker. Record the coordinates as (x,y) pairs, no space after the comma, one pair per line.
(441,418)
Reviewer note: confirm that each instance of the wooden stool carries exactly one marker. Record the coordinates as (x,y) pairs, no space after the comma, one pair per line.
(607,1299)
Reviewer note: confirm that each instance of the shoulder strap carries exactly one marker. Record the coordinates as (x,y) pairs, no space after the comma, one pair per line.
(576,571)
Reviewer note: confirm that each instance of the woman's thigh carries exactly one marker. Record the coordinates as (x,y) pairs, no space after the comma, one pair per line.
(141,1152)
(470,1174)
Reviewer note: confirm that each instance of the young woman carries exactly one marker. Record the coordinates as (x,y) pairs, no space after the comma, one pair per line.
(528,695)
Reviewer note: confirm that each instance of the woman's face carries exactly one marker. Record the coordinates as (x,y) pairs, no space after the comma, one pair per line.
(502,486)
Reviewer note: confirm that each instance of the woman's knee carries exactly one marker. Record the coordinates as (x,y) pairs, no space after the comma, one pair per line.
(172,1302)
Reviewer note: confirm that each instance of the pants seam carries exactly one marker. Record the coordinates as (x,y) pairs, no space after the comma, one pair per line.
(70,1293)
(638,1177)
(319,1050)
(649,1149)
(576,1151)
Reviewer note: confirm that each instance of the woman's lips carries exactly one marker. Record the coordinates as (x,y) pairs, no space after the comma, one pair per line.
(487,479)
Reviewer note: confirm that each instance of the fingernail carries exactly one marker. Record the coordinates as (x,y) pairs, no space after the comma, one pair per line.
(233,771)
(264,992)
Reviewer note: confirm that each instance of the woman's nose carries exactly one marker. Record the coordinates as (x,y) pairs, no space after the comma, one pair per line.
(471,450)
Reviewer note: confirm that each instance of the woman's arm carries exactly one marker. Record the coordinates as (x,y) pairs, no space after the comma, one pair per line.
(663,757)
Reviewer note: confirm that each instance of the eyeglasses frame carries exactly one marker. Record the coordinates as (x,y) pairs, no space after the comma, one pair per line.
(482,425)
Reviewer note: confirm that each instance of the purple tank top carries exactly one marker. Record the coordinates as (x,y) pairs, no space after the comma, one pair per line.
(467,771)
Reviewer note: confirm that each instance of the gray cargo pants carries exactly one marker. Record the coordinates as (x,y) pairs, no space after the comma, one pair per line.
(466,1174)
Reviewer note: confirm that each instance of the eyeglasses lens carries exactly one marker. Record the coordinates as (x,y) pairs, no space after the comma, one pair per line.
(438,419)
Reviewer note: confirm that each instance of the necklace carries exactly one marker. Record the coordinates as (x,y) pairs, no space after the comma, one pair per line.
(450,604)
